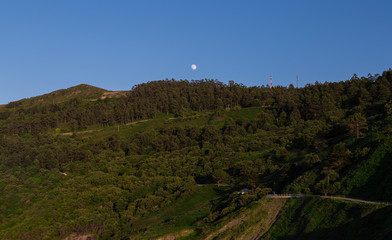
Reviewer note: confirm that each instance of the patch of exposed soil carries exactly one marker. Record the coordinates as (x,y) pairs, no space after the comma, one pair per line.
(81,237)
(175,236)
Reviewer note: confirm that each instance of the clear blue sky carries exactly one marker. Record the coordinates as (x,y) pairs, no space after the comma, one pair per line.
(49,45)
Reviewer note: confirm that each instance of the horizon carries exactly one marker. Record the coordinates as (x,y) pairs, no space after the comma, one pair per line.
(47,46)
(226,83)
(130,89)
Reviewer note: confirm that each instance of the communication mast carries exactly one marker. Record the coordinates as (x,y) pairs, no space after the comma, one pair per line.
(297,80)
(271,80)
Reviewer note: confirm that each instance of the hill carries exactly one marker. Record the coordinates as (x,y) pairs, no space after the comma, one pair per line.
(196,160)
(82,91)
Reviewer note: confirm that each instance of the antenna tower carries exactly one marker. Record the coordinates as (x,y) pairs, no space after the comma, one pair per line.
(297,80)
(271,80)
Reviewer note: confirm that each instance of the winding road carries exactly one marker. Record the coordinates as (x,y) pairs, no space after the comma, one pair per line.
(330,197)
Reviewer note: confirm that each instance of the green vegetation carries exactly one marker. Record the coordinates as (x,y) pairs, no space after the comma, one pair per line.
(172,159)
(182,214)
(310,218)
(81,91)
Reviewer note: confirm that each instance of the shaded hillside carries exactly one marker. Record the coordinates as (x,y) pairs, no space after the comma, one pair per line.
(172,158)
(327,219)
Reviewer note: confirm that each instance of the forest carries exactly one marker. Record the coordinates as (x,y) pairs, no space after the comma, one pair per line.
(168,160)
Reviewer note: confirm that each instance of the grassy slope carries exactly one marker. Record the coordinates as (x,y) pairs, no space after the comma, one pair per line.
(247,223)
(81,91)
(181,215)
(310,218)
(371,178)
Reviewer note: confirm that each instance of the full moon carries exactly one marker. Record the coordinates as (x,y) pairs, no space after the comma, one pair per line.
(193,66)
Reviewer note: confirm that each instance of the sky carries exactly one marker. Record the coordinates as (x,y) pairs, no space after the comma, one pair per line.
(50,45)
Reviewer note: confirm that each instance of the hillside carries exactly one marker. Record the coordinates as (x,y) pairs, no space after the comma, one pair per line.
(196,160)
(82,91)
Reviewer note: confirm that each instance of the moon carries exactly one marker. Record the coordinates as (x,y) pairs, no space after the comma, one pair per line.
(193,66)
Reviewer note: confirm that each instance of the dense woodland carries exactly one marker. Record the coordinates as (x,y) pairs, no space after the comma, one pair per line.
(172,155)
(327,102)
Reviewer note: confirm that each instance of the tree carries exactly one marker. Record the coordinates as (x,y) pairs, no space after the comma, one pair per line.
(312,159)
(356,123)
(295,117)
(327,188)
(388,107)
(327,185)
(339,156)
(220,176)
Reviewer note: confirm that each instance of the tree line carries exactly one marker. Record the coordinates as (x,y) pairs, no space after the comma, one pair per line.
(326,101)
